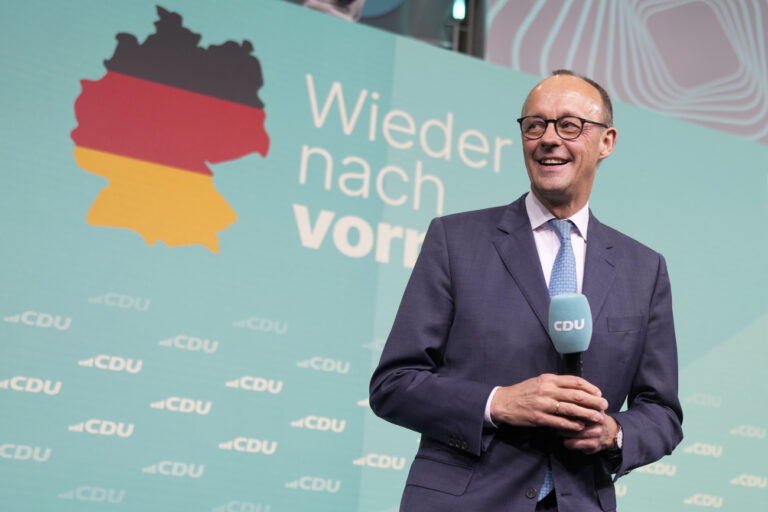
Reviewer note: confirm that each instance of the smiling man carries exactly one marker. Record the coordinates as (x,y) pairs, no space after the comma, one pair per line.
(469,363)
(562,159)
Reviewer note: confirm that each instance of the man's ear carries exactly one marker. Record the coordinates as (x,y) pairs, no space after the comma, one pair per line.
(608,142)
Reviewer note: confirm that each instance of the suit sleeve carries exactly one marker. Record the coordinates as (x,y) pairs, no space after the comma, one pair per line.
(653,419)
(408,387)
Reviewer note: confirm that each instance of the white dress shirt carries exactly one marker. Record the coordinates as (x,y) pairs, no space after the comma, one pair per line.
(547,244)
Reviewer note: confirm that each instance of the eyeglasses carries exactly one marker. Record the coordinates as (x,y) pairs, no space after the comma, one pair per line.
(566,127)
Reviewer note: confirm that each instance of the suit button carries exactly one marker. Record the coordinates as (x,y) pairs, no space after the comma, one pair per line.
(463,445)
(530,493)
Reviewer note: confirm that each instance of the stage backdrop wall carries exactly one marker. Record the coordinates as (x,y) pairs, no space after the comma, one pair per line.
(209,213)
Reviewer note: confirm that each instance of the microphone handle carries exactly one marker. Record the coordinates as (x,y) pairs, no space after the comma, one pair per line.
(573,364)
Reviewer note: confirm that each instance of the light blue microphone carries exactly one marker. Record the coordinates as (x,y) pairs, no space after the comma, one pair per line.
(570,327)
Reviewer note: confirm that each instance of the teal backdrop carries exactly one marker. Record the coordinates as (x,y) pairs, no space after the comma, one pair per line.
(161,377)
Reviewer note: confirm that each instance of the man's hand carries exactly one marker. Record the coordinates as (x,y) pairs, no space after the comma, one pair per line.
(594,437)
(564,402)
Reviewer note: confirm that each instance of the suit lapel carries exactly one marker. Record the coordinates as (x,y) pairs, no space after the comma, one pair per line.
(517,250)
(599,266)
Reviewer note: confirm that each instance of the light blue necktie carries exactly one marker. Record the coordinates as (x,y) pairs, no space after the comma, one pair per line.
(562,280)
(563,277)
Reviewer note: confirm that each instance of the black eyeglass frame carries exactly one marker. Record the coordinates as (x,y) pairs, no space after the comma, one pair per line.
(554,122)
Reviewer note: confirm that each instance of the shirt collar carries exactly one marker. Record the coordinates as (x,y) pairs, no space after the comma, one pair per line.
(538,215)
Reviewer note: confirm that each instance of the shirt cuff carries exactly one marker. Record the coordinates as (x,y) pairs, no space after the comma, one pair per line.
(488,421)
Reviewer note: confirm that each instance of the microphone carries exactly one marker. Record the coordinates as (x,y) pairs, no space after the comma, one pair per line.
(570,327)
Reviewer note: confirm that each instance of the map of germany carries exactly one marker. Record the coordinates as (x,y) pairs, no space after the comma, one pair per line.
(165,109)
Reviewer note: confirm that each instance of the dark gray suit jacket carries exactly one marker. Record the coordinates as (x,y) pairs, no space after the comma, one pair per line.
(474,316)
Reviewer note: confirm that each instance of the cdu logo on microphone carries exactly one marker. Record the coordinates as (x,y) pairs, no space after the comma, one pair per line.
(570,323)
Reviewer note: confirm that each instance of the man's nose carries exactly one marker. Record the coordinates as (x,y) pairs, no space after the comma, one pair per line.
(550,135)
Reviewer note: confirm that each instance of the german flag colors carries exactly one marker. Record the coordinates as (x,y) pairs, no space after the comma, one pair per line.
(153,131)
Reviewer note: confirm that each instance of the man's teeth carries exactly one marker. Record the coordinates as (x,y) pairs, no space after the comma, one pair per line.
(552,161)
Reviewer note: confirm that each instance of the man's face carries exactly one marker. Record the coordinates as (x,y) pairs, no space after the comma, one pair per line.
(562,171)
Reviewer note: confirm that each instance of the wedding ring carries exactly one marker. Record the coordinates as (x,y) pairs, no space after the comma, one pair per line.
(557,409)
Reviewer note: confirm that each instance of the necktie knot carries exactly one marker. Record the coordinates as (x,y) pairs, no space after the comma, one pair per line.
(562,228)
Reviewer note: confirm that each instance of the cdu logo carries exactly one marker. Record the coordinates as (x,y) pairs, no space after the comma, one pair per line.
(256,384)
(190,343)
(24,452)
(94,494)
(750,481)
(117,300)
(315,484)
(704,500)
(748,431)
(324,364)
(658,468)
(320,423)
(708,450)
(112,363)
(248,445)
(185,405)
(375,460)
(44,320)
(259,324)
(103,428)
(569,325)
(176,469)
(31,385)
(704,399)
